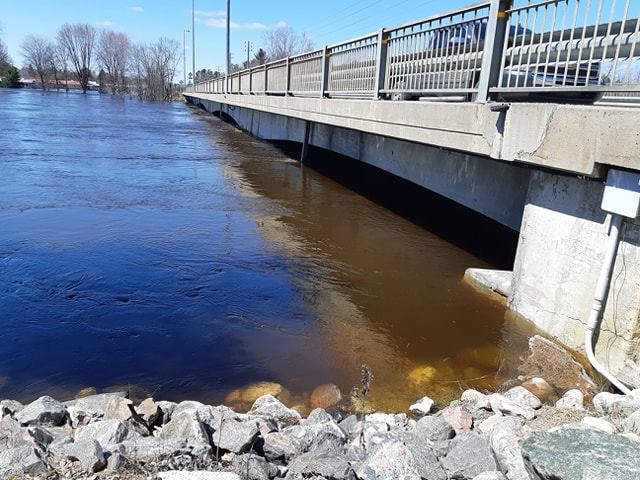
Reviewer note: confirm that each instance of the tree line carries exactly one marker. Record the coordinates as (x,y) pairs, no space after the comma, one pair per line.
(147,70)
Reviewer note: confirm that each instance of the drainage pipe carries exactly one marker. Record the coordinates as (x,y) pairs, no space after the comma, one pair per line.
(599,301)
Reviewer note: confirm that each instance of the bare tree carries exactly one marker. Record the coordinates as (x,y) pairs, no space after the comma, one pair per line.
(61,64)
(114,50)
(285,41)
(38,54)
(5,59)
(79,42)
(154,67)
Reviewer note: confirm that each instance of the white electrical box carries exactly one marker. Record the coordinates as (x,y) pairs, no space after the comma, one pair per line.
(622,193)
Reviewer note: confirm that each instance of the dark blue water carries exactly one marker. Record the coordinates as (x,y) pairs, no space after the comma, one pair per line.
(151,246)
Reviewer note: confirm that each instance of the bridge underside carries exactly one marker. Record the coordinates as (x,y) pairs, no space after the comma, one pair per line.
(534,168)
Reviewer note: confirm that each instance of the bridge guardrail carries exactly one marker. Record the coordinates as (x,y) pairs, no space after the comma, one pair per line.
(497,48)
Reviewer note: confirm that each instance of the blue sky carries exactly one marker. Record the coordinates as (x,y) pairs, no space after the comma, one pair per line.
(329,21)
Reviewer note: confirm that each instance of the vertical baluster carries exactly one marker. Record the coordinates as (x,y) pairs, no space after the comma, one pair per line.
(619,41)
(551,39)
(631,61)
(593,43)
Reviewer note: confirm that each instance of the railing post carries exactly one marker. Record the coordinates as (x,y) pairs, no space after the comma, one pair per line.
(381,63)
(493,48)
(287,77)
(250,81)
(265,79)
(324,87)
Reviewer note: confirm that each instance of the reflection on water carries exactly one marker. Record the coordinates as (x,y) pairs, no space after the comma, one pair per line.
(152,245)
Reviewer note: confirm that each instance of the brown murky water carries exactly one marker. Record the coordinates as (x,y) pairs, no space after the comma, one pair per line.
(388,294)
(151,245)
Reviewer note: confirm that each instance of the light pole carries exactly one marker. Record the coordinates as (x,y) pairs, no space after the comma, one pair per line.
(228,37)
(193,38)
(184,54)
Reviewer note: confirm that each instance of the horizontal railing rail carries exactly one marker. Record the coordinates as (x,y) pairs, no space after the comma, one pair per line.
(494,49)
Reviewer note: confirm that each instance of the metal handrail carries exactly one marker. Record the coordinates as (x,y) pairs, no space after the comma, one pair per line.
(489,49)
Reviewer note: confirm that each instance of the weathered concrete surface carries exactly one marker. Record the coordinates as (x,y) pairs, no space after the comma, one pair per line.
(560,253)
(495,189)
(498,281)
(574,138)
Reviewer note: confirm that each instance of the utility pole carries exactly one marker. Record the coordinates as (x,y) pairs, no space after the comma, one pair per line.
(193,38)
(184,54)
(228,37)
(248,44)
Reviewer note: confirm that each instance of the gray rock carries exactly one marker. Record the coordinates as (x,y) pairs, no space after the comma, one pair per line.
(475,400)
(491,476)
(632,423)
(212,417)
(185,426)
(571,399)
(329,464)
(426,459)
(106,432)
(391,460)
(317,415)
(88,452)
(196,475)
(598,424)
(616,406)
(92,408)
(573,454)
(167,410)
(253,467)
(506,438)
(280,446)
(12,435)
(41,436)
(19,461)
(434,429)
(469,455)
(235,436)
(505,406)
(10,407)
(117,462)
(318,434)
(270,407)
(349,425)
(422,407)
(186,406)
(523,396)
(151,448)
(43,411)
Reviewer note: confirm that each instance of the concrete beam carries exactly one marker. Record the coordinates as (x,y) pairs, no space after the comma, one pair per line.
(572,138)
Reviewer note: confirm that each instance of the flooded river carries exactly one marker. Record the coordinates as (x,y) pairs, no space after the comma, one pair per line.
(155,247)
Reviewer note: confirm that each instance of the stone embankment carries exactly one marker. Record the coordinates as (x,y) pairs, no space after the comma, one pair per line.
(525,432)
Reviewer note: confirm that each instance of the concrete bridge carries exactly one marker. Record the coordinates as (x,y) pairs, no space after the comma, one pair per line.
(498,107)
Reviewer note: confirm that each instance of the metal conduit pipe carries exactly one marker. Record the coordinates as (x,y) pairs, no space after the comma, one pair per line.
(599,301)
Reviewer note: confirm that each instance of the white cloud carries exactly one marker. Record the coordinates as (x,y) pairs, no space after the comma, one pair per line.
(136,9)
(210,13)
(281,24)
(107,23)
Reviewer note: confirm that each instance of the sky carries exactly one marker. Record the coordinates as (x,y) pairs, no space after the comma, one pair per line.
(326,22)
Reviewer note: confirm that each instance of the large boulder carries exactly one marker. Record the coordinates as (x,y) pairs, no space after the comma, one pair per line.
(572,454)
(19,461)
(145,449)
(434,429)
(523,396)
(88,452)
(235,436)
(252,466)
(469,455)
(540,388)
(323,463)
(571,399)
(390,460)
(43,411)
(632,423)
(506,437)
(149,411)
(10,407)
(270,407)
(281,446)
(426,459)
(185,426)
(106,432)
(505,406)
(616,406)
(12,435)
(92,408)
(458,417)
(196,475)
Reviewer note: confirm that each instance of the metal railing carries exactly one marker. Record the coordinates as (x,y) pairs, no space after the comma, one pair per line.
(497,48)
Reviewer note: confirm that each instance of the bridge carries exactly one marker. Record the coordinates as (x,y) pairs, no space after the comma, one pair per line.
(524,111)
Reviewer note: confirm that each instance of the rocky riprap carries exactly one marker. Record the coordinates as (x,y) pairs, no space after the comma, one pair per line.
(510,435)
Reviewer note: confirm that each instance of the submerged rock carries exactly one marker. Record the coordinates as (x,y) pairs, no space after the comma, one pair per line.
(572,454)
(325,396)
